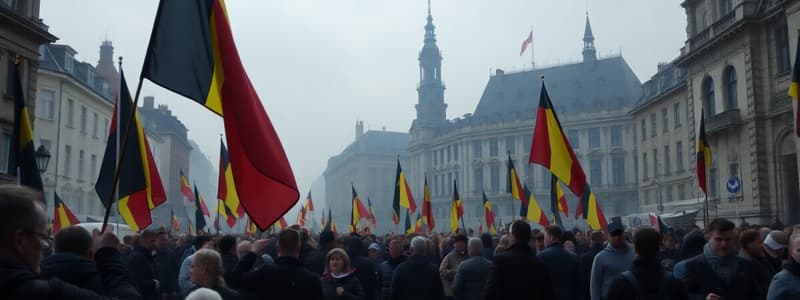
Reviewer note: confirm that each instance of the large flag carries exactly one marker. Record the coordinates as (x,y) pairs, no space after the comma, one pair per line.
(427,207)
(418,227)
(23,155)
(402,193)
(139,185)
(225,212)
(551,149)
(226,187)
(192,52)
(794,87)
(63,216)
(358,211)
(371,217)
(535,212)
(200,211)
(456,209)
(176,226)
(556,197)
(186,190)
(593,214)
(527,42)
(514,183)
(703,155)
(489,214)
(409,228)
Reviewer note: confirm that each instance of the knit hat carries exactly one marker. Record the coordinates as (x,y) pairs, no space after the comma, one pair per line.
(777,240)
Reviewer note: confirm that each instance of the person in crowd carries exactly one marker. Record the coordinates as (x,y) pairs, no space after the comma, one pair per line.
(581,244)
(517,273)
(786,284)
(285,279)
(646,279)
(386,268)
(228,251)
(472,273)
(23,236)
(585,263)
(366,270)
(488,250)
(447,270)
(445,246)
(203,294)
(243,248)
(327,242)
(127,246)
(669,251)
(539,241)
(374,253)
(561,264)
(570,247)
(340,281)
(142,266)
(72,260)
(206,272)
(166,267)
(417,278)
(609,263)
(752,249)
(180,245)
(775,248)
(719,273)
(692,246)
(502,245)
(184,280)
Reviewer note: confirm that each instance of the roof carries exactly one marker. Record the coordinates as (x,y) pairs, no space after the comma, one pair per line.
(667,79)
(374,142)
(52,58)
(604,85)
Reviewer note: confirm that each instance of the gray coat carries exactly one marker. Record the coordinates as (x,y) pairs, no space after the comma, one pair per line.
(470,278)
(608,264)
(785,284)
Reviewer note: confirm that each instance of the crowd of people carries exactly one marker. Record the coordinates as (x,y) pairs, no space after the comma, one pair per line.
(722,262)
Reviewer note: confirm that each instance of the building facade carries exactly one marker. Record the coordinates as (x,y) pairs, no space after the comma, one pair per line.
(23,32)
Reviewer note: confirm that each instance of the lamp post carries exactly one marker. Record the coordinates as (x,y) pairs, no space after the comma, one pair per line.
(42,158)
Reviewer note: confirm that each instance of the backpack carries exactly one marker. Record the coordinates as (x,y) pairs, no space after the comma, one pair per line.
(661,294)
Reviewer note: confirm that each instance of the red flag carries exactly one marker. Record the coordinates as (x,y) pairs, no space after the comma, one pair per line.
(526,43)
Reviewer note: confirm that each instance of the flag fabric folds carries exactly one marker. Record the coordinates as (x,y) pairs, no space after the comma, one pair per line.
(192,52)
(418,226)
(192,232)
(794,87)
(703,159)
(402,193)
(301,216)
(456,209)
(309,203)
(556,196)
(371,217)
(358,211)
(185,189)
(527,42)
(225,212)
(409,229)
(535,212)
(514,183)
(281,224)
(200,211)
(427,207)
(226,187)
(140,188)
(561,199)
(23,155)
(489,214)
(592,213)
(63,216)
(201,202)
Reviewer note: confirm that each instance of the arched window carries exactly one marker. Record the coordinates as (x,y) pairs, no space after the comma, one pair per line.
(708,97)
(730,88)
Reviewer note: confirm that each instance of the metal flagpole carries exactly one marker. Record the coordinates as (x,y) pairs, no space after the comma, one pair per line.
(533,63)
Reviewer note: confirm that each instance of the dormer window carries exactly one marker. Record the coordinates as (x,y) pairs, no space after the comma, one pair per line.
(68,61)
(90,78)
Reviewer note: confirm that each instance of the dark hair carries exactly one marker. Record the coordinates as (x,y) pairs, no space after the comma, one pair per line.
(554,231)
(73,239)
(289,240)
(720,225)
(199,241)
(18,210)
(596,237)
(149,234)
(226,243)
(749,236)
(646,242)
(521,231)
(460,238)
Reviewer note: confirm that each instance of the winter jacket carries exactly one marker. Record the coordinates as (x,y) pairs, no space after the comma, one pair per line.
(366,270)
(286,279)
(142,269)
(184,281)
(74,269)
(385,275)
(585,271)
(730,277)
(470,278)
(651,280)
(349,282)
(167,268)
(447,270)
(763,269)
(18,282)
(417,279)
(229,262)
(607,265)
(563,268)
(786,284)
(518,274)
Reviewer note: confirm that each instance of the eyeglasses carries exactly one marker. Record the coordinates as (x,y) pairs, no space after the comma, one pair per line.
(43,237)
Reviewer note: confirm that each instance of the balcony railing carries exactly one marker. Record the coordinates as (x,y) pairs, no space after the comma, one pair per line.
(725,119)
(718,27)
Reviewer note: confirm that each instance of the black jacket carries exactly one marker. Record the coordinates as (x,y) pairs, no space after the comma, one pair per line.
(286,279)
(74,269)
(367,273)
(385,275)
(417,279)
(350,284)
(316,263)
(229,262)
(18,282)
(225,292)
(518,274)
(700,280)
(563,269)
(648,274)
(167,268)
(585,262)
(142,269)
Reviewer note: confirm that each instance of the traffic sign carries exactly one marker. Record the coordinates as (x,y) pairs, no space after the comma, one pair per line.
(734,185)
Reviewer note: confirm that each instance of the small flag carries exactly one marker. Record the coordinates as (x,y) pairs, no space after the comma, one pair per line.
(427,207)
(63,217)
(200,211)
(514,183)
(301,216)
(418,227)
(402,192)
(409,229)
(556,195)
(250,229)
(456,209)
(371,213)
(489,214)
(226,212)
(535,212)
(185,189)
(176,227)
(358,211)
(201,202)
(226,187)
(593,215)
(528,41)
(309,203)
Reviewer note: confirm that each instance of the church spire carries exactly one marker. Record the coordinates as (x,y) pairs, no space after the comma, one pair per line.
(589,52)
(430,107)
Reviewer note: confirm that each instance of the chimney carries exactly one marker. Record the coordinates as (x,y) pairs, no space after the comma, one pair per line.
(149,101)
(359,129)
(162,108)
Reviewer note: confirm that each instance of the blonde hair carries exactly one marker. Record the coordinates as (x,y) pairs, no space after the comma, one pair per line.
(341,254)
(211,261)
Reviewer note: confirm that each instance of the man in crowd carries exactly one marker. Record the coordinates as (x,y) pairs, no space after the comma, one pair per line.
(562,265)
(166,267)
(72,260)
(285,279)
(386,268)
(472,273)
(609,263)
(517,273)
(718,273)
(243,248)
(417,278)
(184,280)
(447,270)
(752,250)
(366,270)
(227,250)
(327,242)
(585,263)
(22,240)
(142,266)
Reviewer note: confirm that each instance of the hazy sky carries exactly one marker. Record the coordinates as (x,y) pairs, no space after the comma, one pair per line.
(319,66)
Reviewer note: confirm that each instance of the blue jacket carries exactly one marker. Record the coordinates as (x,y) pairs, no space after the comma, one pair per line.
(563,269)
(470,278)
(786,284)
(608,264)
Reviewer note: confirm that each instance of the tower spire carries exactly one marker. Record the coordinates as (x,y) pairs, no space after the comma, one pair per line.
(589,52)
(431,107)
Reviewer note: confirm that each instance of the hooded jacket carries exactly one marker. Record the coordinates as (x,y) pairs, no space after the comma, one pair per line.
(607,265)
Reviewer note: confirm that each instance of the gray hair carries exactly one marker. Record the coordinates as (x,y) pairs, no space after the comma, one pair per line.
(204,294)
(419,245)
(475,246)
(19,209)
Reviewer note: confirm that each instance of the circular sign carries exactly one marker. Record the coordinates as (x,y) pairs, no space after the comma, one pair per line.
(734,185)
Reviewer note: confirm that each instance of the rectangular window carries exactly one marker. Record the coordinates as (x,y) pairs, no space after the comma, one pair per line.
(495,179)
(677,112)
(679,156)
(652,125)
(67,160)
(573,135)
(594,138)
(95,118)
(596,172)
(669,193)
(93,169)
(70,113)
(644,129)
(46,104)
(510,145)
(81,164)
(665,119)
(618,169)
(616,136)
(83,119)
(655,163)
(477,150)
(493,147)
(645,166)
(478,177)
(782,47)
(5,153)
(667,165)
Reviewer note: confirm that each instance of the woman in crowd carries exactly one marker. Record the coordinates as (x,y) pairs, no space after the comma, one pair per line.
(205,271)
(339,281)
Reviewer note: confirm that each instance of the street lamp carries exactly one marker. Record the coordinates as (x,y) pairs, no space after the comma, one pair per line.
(42,158)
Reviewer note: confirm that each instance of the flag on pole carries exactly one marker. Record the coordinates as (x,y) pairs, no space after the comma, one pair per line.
(192,232)
(371,213)
(309,204)
(281,224)
(489,214)
(201,202)
(555,200)
(226,212)
(186,190)
(139,185)
(402,193)
(226,187)
(358,211)
(301,216)
(176,226)
(418,227)
(535,212)
(250,229)
(794,87)
(514,183)
(200,211)
(192,52)
(527,42)
(23,155)
(561,199)
(593,215)
(456,209)
(409,229)
(63,216)
(427,207)
(703,159)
